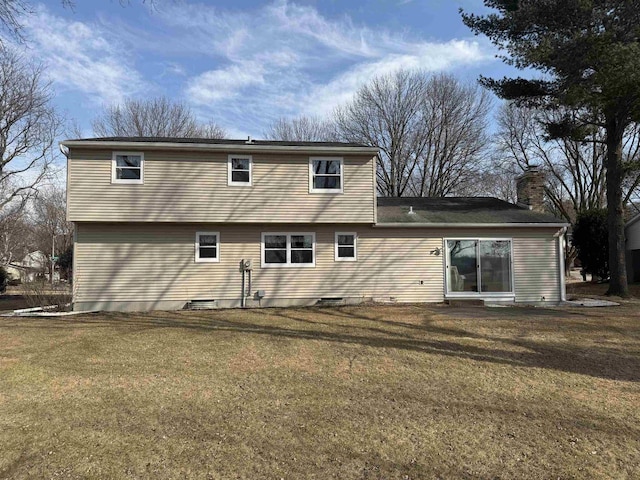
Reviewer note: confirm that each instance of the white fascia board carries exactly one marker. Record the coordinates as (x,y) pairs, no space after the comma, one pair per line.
(217,146)
(632,221)
(470,225)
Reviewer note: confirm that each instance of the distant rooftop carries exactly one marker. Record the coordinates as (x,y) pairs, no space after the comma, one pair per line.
(218,141)
(457,210)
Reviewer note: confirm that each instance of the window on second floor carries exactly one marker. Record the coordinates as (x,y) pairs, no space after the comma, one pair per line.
(127,167)
(240,170)
(326,175)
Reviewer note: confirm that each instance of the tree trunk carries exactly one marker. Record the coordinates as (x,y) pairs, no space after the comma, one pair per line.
(615,210)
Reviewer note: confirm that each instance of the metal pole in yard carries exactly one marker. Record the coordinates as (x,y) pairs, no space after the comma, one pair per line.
(53,255)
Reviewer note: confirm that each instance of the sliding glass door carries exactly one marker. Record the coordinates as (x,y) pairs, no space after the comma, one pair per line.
(479,265)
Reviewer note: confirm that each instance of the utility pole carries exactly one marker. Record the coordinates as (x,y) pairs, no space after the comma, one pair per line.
(53,255)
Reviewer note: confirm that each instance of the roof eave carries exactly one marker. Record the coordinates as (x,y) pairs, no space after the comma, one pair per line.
(632,221)
(471,225)
(216,147)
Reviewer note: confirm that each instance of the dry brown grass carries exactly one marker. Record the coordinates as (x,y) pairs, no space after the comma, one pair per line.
(597,289)
(354,392)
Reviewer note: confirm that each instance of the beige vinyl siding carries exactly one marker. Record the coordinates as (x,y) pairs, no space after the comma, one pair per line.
(133,262)
(536,269)
(189,186)
(632,233)
(153,264)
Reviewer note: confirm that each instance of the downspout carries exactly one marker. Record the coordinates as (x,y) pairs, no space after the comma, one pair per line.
(561,264)
(243,274)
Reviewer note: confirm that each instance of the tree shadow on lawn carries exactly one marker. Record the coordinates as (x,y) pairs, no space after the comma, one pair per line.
(561,355)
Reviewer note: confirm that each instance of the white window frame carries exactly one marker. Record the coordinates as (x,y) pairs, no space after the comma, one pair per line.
(230,181)
(447,258)
(288,263)
(312,174)
(114,167)
(338,258)
(215,259)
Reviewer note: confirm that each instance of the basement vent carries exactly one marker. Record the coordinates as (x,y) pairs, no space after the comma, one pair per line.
(202,304)
(331,301)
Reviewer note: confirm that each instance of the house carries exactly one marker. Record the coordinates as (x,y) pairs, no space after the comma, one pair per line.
(34,265)
(166,222)
(14,271)
(632,234)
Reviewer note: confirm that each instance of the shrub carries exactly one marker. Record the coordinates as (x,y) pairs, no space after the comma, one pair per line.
(42,294)
(65,262)
(591,239)
(4,279)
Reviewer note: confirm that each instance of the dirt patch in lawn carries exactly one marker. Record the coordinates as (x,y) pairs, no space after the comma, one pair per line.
(379,392)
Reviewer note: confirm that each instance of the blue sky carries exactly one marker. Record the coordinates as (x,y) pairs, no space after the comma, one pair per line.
(245,63)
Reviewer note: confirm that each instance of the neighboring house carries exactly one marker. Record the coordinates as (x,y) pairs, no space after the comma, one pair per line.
(33,266)
(632,234)
(14,271)
(161,222)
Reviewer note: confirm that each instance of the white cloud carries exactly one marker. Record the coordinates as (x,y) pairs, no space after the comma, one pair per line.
(430,57)
(288,59)
(240,68)
(224,83)
(339,36)
(82,57)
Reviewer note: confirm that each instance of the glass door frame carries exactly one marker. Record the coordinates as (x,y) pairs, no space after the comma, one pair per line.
(479,293)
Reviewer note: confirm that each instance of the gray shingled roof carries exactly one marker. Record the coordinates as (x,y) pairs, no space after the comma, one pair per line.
(216,141)
(457,210)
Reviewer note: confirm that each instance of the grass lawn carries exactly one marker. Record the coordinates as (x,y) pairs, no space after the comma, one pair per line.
(588,289)
(393,392)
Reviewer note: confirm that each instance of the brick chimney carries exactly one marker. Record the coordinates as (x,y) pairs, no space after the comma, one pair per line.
(530,189)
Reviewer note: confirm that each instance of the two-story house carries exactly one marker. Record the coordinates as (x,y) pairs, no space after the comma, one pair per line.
(163,222)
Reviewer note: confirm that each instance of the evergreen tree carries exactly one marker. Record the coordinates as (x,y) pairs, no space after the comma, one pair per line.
(589,54)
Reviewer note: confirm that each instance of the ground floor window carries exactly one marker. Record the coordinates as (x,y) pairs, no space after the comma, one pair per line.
(479,266)
(288,249)
(207,247)
(345,247)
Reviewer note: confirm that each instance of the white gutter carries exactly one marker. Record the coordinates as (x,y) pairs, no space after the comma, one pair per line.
(215,146)
(470,225)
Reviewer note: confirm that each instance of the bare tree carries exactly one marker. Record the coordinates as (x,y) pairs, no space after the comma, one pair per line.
(15,238)
(210,130)
(159,117)
(12,12)
(28,129)
(574,168)
(455,140)
(302,129)
(431,131)
(52,233)
(494,180)
(387,113)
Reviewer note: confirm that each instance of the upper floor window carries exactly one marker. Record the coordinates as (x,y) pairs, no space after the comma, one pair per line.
(288,249)
(207,247)
(239,170)
(127,167)
(326,175)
